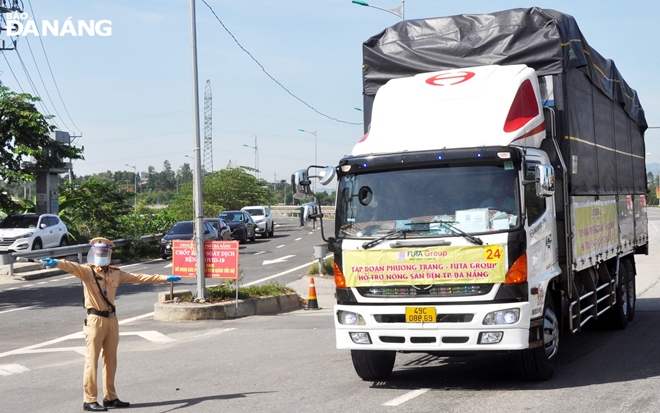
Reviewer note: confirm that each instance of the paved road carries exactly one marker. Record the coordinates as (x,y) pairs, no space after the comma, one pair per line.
(288,362)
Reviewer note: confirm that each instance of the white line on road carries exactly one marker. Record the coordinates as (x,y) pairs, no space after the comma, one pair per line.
(16,309)
(280,246)
(7,369)
(404,398)
(280,274)
(260,252)
(298,239)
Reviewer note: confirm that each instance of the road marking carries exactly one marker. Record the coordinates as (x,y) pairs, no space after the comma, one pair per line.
(406,397)
(298,239)
(7,369)
(280,246)
(281,273)
(260,252)
(153,336)
(16,309)
(277,260)
(210,333)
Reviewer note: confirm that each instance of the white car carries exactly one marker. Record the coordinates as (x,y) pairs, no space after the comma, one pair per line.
(24,232)
(263,219)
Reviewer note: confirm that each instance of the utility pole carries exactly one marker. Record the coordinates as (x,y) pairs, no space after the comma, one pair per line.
(208,128)
(7,6)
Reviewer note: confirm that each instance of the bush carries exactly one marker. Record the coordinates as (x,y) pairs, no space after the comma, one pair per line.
(328,268)
(226,292)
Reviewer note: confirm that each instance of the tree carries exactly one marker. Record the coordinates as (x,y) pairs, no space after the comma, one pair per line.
(25,134)
(95,209)
(230,188)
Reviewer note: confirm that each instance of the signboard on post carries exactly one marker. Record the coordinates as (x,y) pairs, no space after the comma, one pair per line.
(220,259)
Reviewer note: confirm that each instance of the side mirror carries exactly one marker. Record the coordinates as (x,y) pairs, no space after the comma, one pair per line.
(326,175)
(300,184)
(544,175)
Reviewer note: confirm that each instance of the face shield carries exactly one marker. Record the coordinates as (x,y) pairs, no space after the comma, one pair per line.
(99,254)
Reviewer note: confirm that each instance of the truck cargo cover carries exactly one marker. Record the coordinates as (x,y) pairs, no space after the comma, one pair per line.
(600,123)
(548,41)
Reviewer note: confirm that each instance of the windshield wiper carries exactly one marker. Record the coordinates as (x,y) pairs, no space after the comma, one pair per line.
(457,231)
(393,234)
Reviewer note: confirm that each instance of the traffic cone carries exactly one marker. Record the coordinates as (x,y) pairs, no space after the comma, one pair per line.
(312,303)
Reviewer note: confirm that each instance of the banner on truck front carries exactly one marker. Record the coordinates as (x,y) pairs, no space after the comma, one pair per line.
(422,266)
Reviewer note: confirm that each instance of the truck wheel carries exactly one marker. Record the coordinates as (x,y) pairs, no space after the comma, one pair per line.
(539,362)
(632,290)
(617,316)
(373,365)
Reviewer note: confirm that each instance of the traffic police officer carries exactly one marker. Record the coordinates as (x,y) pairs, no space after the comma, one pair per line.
(100,281)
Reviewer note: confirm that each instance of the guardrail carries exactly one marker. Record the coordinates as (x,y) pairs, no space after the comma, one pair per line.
(10,258)
(294,211)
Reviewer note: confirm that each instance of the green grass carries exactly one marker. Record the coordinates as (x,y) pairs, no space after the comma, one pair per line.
(327,267)
(227,292)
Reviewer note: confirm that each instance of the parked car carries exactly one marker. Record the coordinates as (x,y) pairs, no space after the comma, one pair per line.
(23,232)
(224,232)
(183,230)
(241,224)
(263,219)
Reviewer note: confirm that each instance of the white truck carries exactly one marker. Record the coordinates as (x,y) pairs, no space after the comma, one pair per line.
(497,197)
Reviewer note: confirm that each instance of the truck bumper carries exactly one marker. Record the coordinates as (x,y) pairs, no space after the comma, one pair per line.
(460,332)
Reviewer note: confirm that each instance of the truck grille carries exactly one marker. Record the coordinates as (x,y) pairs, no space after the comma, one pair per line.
(426,291)
(440,318)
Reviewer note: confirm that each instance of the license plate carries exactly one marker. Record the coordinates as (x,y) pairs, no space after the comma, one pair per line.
(420,314)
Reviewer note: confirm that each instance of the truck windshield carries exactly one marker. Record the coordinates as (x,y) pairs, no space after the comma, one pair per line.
(474,199)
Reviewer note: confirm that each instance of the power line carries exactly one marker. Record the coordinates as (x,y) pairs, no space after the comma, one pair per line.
(34,88)
(12,72)
(53,76)
(44,85)
(269,75)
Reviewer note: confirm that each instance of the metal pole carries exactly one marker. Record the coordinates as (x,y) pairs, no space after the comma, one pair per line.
(135,177)
(197,171)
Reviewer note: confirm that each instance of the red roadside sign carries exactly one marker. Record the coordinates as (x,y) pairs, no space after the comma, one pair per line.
(220,259)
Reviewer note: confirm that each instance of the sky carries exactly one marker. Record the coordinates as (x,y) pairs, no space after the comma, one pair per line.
(128,96)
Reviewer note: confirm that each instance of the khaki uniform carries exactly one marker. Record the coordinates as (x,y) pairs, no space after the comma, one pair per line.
(102,333)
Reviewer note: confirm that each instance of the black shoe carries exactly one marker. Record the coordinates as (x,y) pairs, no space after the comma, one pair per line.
(116,403)
(94,407)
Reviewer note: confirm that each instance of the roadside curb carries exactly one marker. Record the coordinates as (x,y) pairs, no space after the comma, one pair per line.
(176,311)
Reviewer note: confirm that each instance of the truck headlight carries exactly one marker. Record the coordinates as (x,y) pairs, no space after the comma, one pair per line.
(361,338)
(509,316)
(351,319)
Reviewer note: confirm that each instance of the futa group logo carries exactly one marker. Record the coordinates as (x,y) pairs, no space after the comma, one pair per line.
(20,24)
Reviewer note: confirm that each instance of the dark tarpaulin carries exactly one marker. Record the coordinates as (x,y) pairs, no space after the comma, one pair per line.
(548,41)
(600,118)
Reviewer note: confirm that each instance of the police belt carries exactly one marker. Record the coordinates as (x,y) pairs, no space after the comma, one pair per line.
(105,314)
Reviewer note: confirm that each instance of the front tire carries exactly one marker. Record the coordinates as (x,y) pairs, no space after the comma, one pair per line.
(373,365)
(539,362)
(272,230)
(36,245)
